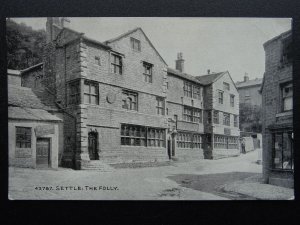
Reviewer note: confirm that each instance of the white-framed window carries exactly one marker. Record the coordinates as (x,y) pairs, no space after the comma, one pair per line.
(147,72)
(287,97)
(221,97)
(91,92)
(130,100)
(116,64)
(226,86)
(135,44)
(232,100)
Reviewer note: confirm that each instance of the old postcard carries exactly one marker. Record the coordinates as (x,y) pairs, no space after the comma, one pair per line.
(150,108)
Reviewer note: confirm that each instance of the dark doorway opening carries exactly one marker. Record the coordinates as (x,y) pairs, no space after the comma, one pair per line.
(93,146)
(43,152)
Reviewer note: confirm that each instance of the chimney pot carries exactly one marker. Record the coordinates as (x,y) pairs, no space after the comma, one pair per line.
(246,77)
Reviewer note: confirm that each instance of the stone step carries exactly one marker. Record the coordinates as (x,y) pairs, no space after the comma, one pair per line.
(96,165)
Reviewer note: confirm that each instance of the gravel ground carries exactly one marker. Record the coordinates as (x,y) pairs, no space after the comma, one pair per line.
(141,182)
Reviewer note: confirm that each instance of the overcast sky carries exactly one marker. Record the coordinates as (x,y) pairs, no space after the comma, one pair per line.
(218,44)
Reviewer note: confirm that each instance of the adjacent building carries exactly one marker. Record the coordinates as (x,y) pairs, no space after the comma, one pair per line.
(221,115)
(32,126)
(277,116)
(120,102)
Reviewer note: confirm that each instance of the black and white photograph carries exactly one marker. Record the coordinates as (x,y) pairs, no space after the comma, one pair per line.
(150,108)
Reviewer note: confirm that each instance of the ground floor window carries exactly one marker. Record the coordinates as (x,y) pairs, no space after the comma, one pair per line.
(225,142)
(135,135)
(188,140)
(282,156)
(23,137)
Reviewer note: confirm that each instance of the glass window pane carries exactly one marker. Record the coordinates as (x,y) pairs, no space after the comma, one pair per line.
(93,89)
(278,151)
(86,88)
(94,100)
(287,151)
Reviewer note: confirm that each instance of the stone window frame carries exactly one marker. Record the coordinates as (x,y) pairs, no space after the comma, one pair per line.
(116,65)
(281,151)
(283,86)
(226,119)
(130,100)
(196,92)
(225,142)
(188,89)
(189,140)
(97,60)
(192,115)
(89,94)
(221,97)
(216,117)
(136,135)
(135,44)
(148,72)
(226,86)
(23,136)
(232,100)
(286,51)
(235,120)
(209,119)
(160,105)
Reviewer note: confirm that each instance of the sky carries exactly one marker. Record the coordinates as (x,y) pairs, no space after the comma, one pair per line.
(217,44)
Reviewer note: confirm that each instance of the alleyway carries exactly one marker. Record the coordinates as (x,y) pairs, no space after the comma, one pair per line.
(195,180)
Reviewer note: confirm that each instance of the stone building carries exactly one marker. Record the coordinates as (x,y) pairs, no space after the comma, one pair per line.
(221,115)
(34,130)
(185,109)
(121,103)
(277,102)
(249,91)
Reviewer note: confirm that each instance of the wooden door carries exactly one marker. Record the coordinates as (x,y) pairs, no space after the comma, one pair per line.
(43,152)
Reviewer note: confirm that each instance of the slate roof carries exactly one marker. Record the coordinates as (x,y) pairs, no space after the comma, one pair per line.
(209,78)
(183,75)
(24,97)
(30,114)
(255,82)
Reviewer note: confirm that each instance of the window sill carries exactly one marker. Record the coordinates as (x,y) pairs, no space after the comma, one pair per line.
(287,113)
(282,170)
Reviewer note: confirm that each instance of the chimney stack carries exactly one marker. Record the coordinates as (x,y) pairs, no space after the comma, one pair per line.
(246,78)
(54,26)
(180,62)
(208,71)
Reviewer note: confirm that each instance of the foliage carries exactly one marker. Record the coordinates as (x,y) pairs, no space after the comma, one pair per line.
(250,118)
(24,45)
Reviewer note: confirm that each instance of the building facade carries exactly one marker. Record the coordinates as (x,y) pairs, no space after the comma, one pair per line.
(120,102)
(221,115)
(277,102)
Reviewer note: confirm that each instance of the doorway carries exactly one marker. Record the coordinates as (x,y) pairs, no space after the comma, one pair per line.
(93,146)
(43,152)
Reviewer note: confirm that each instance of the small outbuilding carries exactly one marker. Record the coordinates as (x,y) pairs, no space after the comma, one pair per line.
(33,130)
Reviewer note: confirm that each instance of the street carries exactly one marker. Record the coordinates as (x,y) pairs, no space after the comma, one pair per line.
(194,180)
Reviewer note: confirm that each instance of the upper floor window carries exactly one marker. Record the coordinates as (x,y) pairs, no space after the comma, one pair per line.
(91,93)
(286,50)
(148,72)
(226,86)
(188,114)
(208,113)
(196,92)
(23,137)
(197,115)
(192,114)
(187,89)
(160,106)
(235,120)
(74,93)
(129,100)
(221,95)
(232,100)
(97,60)
(116,64)
(135,44)
(287,96)
(216,117)
(226,119)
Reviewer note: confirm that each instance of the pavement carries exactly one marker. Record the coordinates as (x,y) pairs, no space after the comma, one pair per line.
(223,179)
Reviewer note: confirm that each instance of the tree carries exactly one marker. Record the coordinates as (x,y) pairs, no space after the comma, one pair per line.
(250,118)
(24,45)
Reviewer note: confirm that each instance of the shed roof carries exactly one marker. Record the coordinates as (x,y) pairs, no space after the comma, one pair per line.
(24,97)
(30,114)
(13,72)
